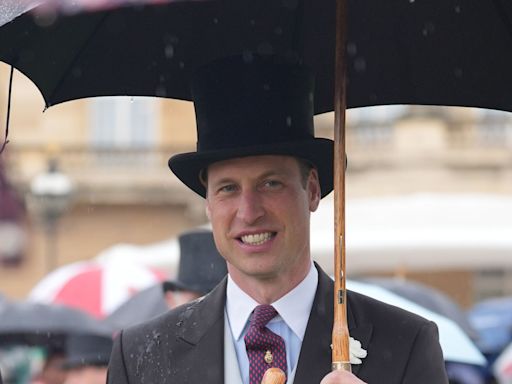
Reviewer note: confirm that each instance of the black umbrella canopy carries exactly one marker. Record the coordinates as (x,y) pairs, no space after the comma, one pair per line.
(33,323)
(439,52)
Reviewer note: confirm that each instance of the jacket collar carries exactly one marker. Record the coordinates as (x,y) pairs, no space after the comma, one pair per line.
(203,325)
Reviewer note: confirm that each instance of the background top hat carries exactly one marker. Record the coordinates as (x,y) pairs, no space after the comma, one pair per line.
(86,349)
(201,266)
(253,105)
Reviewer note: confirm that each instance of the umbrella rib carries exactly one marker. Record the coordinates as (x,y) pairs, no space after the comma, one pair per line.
(77,56)
(8,117)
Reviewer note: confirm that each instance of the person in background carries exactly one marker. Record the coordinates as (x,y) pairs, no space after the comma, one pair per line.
(87,359)
(52,371)
(201,268)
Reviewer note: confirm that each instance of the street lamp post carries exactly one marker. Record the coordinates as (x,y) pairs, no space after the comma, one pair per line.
(51,194)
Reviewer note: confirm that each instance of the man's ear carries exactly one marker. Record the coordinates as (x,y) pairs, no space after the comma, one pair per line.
(314,190)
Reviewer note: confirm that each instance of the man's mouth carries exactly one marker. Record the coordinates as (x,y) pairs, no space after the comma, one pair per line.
(257,238)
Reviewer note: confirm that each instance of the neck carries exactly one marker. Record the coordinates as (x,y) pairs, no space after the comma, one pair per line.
(266,290)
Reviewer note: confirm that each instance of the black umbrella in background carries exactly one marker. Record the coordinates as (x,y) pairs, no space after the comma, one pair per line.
(25,322)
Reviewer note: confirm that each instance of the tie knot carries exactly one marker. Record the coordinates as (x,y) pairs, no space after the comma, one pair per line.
(261,315)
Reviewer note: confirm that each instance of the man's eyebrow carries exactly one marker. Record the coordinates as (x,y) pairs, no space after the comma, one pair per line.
(272,173)
(263,175)
(221,181)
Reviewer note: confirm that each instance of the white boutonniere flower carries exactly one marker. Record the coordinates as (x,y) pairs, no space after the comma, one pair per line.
(356,351)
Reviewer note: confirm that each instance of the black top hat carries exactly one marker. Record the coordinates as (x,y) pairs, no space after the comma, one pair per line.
(85,349)
(253,105)
(201,266)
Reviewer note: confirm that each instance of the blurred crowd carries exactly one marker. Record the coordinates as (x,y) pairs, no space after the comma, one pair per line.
(32,353)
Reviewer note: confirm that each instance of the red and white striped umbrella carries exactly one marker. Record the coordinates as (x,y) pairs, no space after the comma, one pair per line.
(93,286)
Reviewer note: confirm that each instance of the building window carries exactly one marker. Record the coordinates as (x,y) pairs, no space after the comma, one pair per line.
(492,283)
(123,122)
(374,125)
(493,128)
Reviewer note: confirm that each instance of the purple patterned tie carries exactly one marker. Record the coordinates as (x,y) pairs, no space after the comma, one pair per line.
(264,348)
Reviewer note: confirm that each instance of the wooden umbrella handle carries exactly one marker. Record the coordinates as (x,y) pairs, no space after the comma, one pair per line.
(340,335)
(274,376)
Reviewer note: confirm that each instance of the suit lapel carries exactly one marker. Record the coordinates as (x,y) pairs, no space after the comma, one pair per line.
(315,355)
(202,331)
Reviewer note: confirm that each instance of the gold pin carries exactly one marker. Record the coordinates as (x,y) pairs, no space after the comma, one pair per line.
(268,357)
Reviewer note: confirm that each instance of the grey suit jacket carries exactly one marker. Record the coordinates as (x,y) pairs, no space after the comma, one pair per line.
(186,345)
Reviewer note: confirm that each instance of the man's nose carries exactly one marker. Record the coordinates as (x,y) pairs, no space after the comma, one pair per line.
(250,207)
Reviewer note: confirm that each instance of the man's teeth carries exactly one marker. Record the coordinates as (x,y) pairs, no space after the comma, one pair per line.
(256,239)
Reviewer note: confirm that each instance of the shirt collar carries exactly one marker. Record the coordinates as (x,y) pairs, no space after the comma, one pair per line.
(293,308)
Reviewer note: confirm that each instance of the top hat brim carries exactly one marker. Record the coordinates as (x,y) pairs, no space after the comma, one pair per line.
(317,151)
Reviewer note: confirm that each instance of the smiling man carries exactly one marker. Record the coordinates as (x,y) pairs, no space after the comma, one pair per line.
(262,174)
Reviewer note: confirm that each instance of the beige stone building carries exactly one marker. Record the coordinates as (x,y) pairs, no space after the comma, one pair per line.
(115,153)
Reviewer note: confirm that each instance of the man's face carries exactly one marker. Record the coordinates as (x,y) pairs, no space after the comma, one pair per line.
(260,209)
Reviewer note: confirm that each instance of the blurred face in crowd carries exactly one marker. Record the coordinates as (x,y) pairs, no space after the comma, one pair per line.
(177,298)
(52,372)
(260,208)
(87,375)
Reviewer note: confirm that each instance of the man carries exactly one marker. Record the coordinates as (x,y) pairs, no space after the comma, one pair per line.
(52,371)
(201,268)
(262,173)
(87,358)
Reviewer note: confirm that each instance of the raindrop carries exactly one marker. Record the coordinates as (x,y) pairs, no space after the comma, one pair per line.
(169,51)
(351,49)
(457,9)
(252,22)
(360,64)
(132,100)
(412,1)
(215,20)
(428,29)
(278,31)
(266,87)
(311,97)
(288,121)
(458,72)
(181,65)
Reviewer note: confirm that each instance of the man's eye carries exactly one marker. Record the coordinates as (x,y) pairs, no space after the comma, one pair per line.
(272,184)
(227,188)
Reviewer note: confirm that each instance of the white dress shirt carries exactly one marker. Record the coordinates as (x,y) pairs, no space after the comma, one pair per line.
(290,323)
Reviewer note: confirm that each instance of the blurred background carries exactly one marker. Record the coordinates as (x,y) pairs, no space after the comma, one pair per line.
(429,196)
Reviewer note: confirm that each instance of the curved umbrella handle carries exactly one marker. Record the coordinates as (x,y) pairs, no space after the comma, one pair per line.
(274,376)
